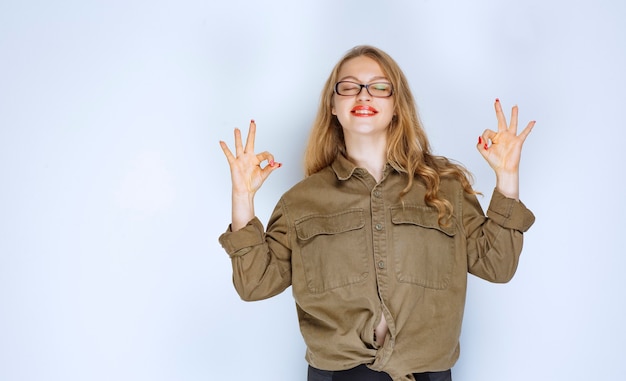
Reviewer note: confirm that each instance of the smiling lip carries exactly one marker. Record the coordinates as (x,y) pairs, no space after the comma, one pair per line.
(363,110)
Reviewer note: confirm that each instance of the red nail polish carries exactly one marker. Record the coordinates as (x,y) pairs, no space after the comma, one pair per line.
(271,163)
(497,100)
(486,146)
(480,139)
(252,121)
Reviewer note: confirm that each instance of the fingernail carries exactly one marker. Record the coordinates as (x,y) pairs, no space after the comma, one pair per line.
(480,140)
(486,146)
(271,163)
(252,121)
(497,100)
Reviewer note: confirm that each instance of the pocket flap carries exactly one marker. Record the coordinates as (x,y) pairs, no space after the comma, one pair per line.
(423,216)
(311,226)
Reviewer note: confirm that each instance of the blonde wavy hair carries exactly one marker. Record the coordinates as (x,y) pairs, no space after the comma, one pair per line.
(408,149)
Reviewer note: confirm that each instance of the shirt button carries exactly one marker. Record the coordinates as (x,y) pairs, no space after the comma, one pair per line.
(378,227)
(377,193)
(381,265)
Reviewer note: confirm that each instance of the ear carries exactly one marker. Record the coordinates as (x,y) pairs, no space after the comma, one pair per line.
(332,111)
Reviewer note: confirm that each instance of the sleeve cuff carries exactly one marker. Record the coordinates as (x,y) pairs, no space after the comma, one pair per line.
(509,213)
(238,243)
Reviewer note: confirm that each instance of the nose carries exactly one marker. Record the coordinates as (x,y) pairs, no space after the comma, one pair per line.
(364,94)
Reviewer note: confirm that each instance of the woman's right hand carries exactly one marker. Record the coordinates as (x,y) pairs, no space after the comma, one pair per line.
(247,174)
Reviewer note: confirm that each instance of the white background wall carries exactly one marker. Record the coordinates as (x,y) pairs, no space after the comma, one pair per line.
(113,189)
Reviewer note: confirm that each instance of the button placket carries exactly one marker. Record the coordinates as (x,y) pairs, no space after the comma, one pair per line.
(378,225)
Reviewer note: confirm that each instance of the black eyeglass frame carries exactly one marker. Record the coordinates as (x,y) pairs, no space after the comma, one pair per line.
(361,86)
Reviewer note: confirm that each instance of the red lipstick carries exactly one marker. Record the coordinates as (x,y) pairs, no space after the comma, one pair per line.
(363,110)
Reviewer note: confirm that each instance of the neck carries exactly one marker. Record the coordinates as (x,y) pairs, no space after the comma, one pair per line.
(370,155)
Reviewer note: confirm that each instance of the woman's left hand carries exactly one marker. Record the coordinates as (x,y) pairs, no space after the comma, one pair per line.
(503,149)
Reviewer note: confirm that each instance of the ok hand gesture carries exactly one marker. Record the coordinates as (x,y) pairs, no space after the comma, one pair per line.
(247,174)
(503,149)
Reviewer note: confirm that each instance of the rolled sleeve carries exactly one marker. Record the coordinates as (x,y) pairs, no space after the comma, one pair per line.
(509,213)
(240,242)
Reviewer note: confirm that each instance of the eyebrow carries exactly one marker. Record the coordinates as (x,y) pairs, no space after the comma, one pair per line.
(356,79)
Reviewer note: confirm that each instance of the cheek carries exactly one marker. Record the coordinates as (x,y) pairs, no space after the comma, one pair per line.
(333,105)
(341,106)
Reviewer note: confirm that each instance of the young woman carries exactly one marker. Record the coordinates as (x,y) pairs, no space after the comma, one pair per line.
(378,239)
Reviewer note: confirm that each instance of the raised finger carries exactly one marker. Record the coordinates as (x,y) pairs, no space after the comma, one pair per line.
(227,152)
(500,115)
(238,142)
(527,130)
(513,126)
(251,137)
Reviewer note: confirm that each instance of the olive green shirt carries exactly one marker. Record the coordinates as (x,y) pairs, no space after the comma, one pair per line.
(352,250)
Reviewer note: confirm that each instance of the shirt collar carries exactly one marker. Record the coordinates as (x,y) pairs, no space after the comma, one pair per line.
(344,168)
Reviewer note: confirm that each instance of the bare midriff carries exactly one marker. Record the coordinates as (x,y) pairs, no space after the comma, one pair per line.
(381,330)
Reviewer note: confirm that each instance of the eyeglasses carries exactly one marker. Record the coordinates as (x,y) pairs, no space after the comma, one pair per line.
(376,89)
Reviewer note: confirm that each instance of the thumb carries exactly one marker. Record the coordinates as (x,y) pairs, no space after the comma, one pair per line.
(482,146)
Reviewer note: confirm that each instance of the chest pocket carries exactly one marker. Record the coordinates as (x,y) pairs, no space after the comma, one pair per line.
(423,251)
(333,249)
